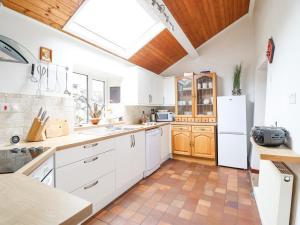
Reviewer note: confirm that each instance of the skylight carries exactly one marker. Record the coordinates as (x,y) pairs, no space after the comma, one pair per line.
(119,26)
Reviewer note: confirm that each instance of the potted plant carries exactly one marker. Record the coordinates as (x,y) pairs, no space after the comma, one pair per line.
(237,80)
(95,113)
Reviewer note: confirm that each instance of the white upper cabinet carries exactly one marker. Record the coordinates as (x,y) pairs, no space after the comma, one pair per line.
(141,87)
(169,91)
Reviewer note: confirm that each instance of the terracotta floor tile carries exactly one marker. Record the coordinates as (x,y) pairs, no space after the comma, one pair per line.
(138,218)
(96,222)
(185,214)
(183,193)
(177,203)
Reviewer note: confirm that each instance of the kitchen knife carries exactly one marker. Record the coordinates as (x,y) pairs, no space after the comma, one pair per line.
(40,112)
(43,115)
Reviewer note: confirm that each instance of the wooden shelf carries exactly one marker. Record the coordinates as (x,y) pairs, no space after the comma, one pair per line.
(281,153)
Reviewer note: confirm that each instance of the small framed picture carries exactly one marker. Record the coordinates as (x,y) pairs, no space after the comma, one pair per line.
(45,54)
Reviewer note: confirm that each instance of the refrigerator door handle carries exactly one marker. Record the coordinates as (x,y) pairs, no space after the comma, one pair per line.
(235,133)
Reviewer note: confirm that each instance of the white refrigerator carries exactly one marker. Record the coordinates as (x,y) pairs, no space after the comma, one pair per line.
(232,132)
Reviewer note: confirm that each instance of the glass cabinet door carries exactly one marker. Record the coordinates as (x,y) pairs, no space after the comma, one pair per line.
(184,97)
(204,88)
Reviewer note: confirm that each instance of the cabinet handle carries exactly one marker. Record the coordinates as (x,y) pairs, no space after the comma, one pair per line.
(149,98)
(161,132)
(133,140)
(90,145)
(90,160)
(91,185)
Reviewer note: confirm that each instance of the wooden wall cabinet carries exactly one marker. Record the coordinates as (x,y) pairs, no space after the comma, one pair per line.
(196,98)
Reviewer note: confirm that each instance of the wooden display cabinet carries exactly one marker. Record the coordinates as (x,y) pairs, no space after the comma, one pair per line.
(196,98)
(184,97)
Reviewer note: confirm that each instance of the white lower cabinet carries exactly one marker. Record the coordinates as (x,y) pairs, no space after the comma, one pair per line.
(100,172)
(99,191)
(130,160)
(84,170)
(165,142)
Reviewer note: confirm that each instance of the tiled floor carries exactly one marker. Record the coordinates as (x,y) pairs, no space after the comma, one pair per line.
(182,193)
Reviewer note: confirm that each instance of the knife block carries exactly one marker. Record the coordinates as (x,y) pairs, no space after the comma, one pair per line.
(36,131)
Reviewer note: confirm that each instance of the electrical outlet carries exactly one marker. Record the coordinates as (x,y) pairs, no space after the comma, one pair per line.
(293,98)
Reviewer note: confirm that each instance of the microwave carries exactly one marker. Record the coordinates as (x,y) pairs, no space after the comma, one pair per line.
(164,116)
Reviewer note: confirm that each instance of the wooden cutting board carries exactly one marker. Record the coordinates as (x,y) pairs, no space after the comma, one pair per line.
(57,128)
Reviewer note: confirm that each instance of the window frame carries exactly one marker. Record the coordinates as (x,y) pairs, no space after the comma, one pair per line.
(104,90)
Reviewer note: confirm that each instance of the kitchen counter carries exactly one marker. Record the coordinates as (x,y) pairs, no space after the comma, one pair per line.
(30,202)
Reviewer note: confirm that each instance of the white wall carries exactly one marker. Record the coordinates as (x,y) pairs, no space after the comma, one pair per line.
(281,20)
(67,51)
(220,54)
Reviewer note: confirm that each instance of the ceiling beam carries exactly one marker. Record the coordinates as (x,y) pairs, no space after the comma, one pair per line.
(177,31)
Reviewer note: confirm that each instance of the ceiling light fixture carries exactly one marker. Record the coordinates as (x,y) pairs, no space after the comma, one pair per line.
(161,9)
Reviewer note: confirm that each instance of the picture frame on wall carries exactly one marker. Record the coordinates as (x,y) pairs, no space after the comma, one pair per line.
(45,54)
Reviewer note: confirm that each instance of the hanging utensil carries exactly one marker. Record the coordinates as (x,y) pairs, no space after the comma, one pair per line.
(57,88)
(47,88)
(41,71)
(66,92)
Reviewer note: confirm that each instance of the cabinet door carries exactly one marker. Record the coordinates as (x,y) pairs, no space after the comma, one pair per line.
(181,142)
(184,97)
(203,145)
(169,91)
(156,90)
(205,95)
(165,142)
(123,160)
(138,154)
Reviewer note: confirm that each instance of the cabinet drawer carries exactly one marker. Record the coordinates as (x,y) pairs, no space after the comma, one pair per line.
(184,119)
(74,175)
(191,120)
(198,120)
(204,120)
(181,128)
(178,119)
(209,129)
(212,120)
(71,155)
(97,190)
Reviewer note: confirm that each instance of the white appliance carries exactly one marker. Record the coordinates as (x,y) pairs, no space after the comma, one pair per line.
(274,193)
(153,143)
(45,172)
(164,116)
(232,132)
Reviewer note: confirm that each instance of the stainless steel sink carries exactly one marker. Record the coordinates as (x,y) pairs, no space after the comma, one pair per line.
(109,130)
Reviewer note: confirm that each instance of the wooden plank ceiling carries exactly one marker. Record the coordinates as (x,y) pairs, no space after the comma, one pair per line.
(202,19)
(55,13)
(199,19)
(160,53)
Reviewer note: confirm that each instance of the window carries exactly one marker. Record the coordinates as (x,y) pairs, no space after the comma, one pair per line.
(80,95)
(119,26)
(98,92)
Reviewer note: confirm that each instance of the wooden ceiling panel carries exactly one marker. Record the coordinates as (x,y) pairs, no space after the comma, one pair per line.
(55,13)
(202,19)
(160,53)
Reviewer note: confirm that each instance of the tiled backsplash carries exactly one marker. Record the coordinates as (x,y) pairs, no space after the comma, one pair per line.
(18,122)
(133,114)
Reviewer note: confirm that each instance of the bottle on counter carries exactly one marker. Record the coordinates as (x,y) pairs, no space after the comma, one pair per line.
(143,118)
(152,116)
